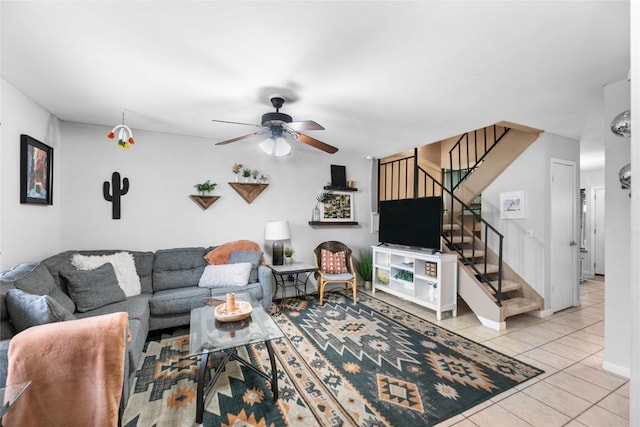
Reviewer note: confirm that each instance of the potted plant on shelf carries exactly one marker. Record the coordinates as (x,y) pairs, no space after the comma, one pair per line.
(246,173)
(236,168)
(254,175)
(323,197)
(205,187)
(288,254)
(365,268)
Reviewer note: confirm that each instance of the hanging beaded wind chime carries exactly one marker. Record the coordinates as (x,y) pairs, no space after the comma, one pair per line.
(125,136)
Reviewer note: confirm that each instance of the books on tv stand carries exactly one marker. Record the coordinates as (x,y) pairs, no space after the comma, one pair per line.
(426,279)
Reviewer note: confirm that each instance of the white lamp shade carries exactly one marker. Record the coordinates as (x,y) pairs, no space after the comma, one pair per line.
(277,230)
(277,148)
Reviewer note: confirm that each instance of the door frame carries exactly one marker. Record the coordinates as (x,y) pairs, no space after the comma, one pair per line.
(594,246)
(575,262)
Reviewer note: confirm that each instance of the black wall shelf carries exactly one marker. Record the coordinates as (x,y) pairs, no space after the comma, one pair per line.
(332,223)
(334,188)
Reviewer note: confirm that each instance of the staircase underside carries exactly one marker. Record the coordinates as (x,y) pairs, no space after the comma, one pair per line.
(518,297)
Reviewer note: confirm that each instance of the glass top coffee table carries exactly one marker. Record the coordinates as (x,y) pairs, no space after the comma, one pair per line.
(10,395)
(208,335)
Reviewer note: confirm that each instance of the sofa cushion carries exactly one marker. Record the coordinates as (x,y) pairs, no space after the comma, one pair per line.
(122,263)
(220,276)
(6,330)
(220,254)
(253,289)
(93,288)
(62,262)
(170,302)
(27,310)
(177,268)
(136,307)
(253,257)
(35,278)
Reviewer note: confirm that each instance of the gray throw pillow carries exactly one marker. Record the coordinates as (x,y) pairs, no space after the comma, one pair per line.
(252,257)
(27,310)
(40,282)
(91,289)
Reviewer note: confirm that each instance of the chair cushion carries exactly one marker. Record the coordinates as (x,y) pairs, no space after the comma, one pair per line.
(28,310)
(253,257)
(338,277)
(218,276)
(94,288)
(333,262)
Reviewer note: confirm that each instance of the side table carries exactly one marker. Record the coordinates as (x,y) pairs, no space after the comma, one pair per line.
(301,273)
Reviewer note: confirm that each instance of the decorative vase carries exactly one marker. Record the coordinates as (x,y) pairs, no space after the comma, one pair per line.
(288,260)
(246,179)
(315,215)
(367,285)
(236,178)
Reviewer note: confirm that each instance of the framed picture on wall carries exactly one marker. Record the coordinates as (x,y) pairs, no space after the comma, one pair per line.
(512,205)
(36,171)
(338,207)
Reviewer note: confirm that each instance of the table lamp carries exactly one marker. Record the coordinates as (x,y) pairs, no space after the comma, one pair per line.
(277,231)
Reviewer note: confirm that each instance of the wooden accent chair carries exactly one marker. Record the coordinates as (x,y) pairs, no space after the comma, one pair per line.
(335,265)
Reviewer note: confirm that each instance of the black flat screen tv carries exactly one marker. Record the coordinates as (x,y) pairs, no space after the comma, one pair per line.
(415,223)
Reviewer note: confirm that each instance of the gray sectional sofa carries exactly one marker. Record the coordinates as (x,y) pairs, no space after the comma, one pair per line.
(169,281)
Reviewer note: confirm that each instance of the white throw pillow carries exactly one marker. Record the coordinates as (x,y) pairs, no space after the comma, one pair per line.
(224,275)
(123,264)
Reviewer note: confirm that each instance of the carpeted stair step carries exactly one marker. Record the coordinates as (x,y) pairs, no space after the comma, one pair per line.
(491,268)
(457,239)
(507,286)
(469,253)
(450,227)
(519,305)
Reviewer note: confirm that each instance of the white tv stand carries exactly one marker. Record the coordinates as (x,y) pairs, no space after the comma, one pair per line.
(426,279)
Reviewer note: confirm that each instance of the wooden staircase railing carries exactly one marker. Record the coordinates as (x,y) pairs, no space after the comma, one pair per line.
(471,149)
(402,178)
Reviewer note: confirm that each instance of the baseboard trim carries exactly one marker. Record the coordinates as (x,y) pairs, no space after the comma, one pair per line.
(616,369)
(540,313)
(492,324)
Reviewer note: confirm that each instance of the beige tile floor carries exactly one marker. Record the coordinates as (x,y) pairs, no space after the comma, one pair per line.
(574,390)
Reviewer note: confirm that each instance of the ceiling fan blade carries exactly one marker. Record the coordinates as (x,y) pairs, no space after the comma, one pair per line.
(236,123)
(305,125)
(228,141)
(315,143)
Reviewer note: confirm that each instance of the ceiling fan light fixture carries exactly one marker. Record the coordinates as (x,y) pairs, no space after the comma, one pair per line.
(276,147)
(621,124)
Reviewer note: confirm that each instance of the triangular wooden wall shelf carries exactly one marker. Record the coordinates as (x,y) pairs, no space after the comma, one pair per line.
(248,191)
(204,201)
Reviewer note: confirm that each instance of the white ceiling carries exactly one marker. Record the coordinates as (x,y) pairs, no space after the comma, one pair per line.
(380,76)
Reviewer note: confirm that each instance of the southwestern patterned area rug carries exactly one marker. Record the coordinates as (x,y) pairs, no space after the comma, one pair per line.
(341,364)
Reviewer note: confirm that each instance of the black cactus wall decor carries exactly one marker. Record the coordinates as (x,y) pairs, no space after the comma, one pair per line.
(118,189)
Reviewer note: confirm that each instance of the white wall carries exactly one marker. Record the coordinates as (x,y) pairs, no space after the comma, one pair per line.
(530,172)
(617,239)
(162,170)
(589,180)
(27,232)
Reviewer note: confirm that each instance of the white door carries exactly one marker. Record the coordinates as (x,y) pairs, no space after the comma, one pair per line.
(564,253)
(598,230)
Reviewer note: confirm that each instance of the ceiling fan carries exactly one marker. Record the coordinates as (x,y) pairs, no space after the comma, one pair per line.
(277,127)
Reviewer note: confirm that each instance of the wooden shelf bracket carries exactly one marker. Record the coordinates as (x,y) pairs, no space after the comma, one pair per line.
(248,191)
(204,201)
